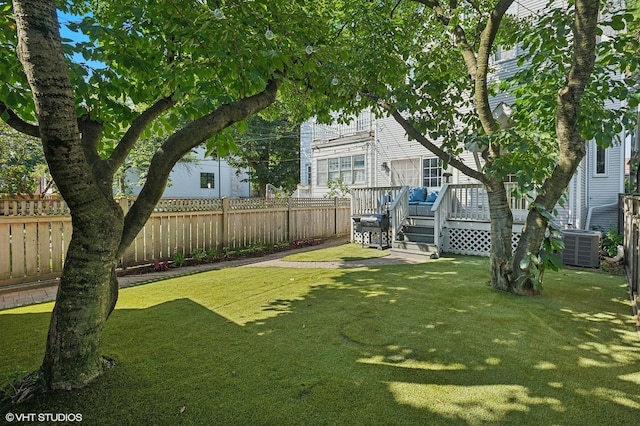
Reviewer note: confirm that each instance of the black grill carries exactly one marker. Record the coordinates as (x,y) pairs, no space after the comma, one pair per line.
(373,223)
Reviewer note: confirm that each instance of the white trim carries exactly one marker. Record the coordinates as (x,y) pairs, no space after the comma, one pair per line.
(594,159)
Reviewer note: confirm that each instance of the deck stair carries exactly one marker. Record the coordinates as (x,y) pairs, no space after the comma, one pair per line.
(416,239)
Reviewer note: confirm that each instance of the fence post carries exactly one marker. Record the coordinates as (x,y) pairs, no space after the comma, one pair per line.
(225,223)
(335,216)
(123,202)
(289,217)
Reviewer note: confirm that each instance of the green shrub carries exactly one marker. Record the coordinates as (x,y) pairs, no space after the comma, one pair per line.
(199,254)
(179,258)
(212,253)
(612,239)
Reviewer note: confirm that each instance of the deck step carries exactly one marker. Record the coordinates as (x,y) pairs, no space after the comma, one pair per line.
(420,233)
(419,221)
(415,250)
(419,237)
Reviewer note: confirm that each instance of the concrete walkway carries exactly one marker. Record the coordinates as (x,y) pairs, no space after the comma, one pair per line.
(45,292)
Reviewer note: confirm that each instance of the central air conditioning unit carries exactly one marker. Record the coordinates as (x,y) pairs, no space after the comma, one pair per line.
(581,248)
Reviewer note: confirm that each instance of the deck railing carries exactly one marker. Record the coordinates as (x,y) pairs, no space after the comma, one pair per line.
(371,200)
(455,203)
(469,202)
(326,132)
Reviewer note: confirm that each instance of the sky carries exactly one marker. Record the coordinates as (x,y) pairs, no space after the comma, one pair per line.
(65,32)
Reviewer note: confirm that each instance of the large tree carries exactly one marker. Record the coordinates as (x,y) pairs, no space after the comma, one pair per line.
(428,64)
(185,69)
(271,148)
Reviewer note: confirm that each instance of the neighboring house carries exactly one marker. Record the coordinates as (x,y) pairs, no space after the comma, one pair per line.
(375,152)
(206,178)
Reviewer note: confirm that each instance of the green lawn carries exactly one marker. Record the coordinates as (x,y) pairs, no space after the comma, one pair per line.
(422,344)
(343,252)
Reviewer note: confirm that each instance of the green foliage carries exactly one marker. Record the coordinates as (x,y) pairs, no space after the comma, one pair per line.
(199,254)
(212,253)
(547,257)
(22,164)
(550,50)
(127,58)
(271,149)
(612,239)
(337,189)
(178,258)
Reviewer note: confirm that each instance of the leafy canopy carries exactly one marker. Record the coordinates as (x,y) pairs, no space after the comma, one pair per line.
(201,53)
(403,53)
(272,150)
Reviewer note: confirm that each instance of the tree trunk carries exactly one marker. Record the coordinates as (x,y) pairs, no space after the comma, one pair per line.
(571,146)
(501,235)
(88,286)
(101,233)
(86,296)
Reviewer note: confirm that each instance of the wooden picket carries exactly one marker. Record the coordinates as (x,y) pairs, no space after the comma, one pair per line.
(35,235)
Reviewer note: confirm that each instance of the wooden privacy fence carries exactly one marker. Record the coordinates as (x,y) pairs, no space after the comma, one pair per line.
(35,234)
(630,212)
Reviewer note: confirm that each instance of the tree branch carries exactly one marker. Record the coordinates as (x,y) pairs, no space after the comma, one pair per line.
(441,154)
(135,130)
(460,36)
(91,132)
(179,144)
(18,123)
(487,38)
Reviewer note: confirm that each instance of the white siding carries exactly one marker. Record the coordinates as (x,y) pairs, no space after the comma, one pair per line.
(184,180)
(603,190)
(306,157)
(390,144)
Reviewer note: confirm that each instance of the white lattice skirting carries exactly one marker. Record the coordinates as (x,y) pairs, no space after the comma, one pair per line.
(475,242)
(367,238)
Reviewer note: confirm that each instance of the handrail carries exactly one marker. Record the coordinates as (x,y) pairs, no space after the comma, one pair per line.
(440,211)
(398,211)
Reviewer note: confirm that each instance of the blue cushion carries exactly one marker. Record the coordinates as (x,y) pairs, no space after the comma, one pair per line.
(417,194)
(432,197)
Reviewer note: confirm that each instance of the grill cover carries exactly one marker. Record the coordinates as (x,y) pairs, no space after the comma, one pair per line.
(377,221)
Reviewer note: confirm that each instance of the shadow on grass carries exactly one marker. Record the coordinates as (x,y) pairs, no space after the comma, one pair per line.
(417,344)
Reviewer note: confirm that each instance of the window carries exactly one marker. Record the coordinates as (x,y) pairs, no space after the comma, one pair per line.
(334,168)
(349,170)
(503,53)
(431,172)
(207,180)
(601,161)
(321,177)
(406,172)
(358,169)
(345,169)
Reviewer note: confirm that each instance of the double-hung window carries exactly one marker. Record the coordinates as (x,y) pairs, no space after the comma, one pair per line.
(348,169)
(431,172)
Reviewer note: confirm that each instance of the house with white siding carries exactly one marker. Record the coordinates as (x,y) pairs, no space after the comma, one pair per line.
(374,152)
(205,177)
